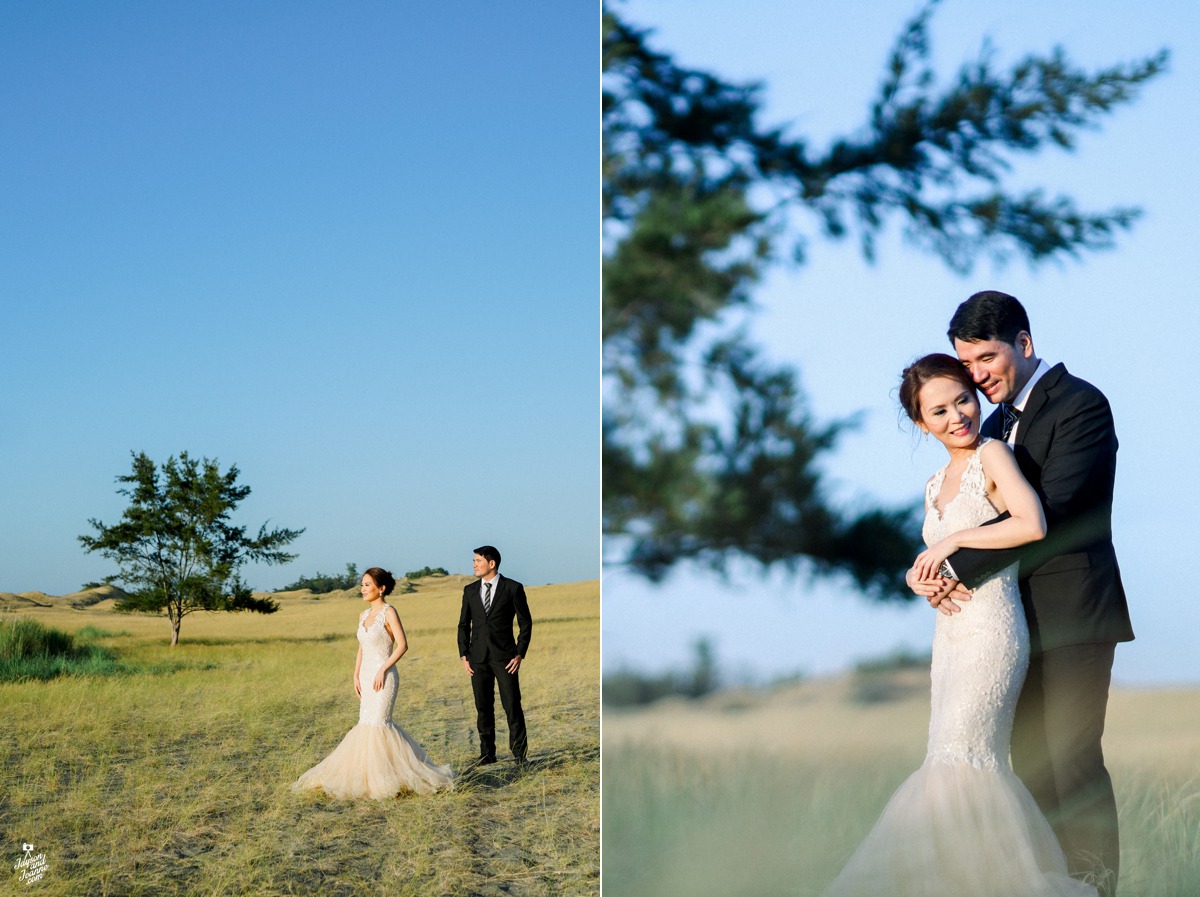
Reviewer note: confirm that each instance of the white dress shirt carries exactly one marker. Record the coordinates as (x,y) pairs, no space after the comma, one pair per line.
(495,584)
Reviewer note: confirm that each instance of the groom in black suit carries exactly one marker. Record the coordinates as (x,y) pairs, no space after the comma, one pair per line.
(489,653)
(1061,431)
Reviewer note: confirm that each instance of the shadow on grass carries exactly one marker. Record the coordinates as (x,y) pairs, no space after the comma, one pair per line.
(505,772)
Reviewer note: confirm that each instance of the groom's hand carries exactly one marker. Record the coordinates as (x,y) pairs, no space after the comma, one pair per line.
(513,665)
(937,591)
(467,664)
(947,602)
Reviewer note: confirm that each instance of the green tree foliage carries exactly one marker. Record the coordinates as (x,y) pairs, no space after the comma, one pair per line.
(323,583)
(426,571)
(709,452)
(175,546)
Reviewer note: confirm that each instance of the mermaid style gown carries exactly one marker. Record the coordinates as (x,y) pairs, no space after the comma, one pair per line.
(377,758)
(964,824)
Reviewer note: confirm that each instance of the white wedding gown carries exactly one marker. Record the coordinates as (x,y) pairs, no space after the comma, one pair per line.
(964,825)
(376,759)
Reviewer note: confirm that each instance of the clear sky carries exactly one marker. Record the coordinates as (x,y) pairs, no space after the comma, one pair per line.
(1125,320)
(349,246)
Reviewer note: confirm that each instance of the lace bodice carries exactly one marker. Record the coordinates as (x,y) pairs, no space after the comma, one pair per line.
(969,508)
(979,655)
(376,643)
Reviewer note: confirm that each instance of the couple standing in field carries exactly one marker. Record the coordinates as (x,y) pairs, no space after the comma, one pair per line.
(378,759)
(1020,563)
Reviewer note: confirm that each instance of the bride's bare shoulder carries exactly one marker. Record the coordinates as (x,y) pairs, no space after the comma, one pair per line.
(995,451)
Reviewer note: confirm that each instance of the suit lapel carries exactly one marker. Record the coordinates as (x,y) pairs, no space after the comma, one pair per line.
(1038,398)
(499,594)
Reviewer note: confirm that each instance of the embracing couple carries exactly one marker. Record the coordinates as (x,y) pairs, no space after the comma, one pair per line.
(377,758)
(1020,564)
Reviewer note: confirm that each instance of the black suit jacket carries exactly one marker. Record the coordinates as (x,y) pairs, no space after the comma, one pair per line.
(1066,447)
(490,636)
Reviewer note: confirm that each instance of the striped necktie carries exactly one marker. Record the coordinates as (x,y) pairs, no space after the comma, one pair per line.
(1011,416)
(487,598)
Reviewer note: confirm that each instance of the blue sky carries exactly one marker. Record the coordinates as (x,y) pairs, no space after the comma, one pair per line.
(350,247)
(1125,320)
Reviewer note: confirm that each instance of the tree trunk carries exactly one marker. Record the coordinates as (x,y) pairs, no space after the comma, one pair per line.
(176,616)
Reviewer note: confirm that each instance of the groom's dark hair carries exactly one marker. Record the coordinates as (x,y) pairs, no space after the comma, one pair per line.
(489,553)
(989,315)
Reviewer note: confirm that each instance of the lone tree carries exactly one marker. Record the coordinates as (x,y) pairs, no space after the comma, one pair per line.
(177,550)
(709,452)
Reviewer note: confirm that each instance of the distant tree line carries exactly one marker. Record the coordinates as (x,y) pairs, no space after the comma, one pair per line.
(626,688)
(320,583)
(426,571)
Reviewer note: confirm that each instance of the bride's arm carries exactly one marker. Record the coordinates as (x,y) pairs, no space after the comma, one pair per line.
(399,643)
(357,667)
(1026,523)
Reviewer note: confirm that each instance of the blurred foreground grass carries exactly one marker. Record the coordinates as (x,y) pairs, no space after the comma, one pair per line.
(769,794)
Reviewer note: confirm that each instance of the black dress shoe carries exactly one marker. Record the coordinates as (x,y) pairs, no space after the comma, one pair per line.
(484,761)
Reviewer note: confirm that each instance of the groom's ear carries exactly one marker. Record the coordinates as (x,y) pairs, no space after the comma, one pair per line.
(1024,344)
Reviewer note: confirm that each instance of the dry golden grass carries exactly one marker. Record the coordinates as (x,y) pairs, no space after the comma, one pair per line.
(175,779)
(767,793)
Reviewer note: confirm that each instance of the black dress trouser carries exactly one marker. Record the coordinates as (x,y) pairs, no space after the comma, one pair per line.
(1056,752)
(487,676)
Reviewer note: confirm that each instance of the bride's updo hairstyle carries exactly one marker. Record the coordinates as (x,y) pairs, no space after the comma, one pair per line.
(383,579)
(927,368)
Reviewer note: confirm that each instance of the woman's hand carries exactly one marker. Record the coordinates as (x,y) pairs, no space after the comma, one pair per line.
(929,561)
(925,588)
(380,677)
(357,687)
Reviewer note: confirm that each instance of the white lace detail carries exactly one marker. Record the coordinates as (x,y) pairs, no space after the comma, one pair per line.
(375,709)
(981,654)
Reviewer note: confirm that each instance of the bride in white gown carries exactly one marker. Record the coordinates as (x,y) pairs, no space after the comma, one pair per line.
(964,825)
(377,758)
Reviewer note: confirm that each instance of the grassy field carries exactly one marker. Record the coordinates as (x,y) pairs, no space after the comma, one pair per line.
(173,779)
(767,793)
